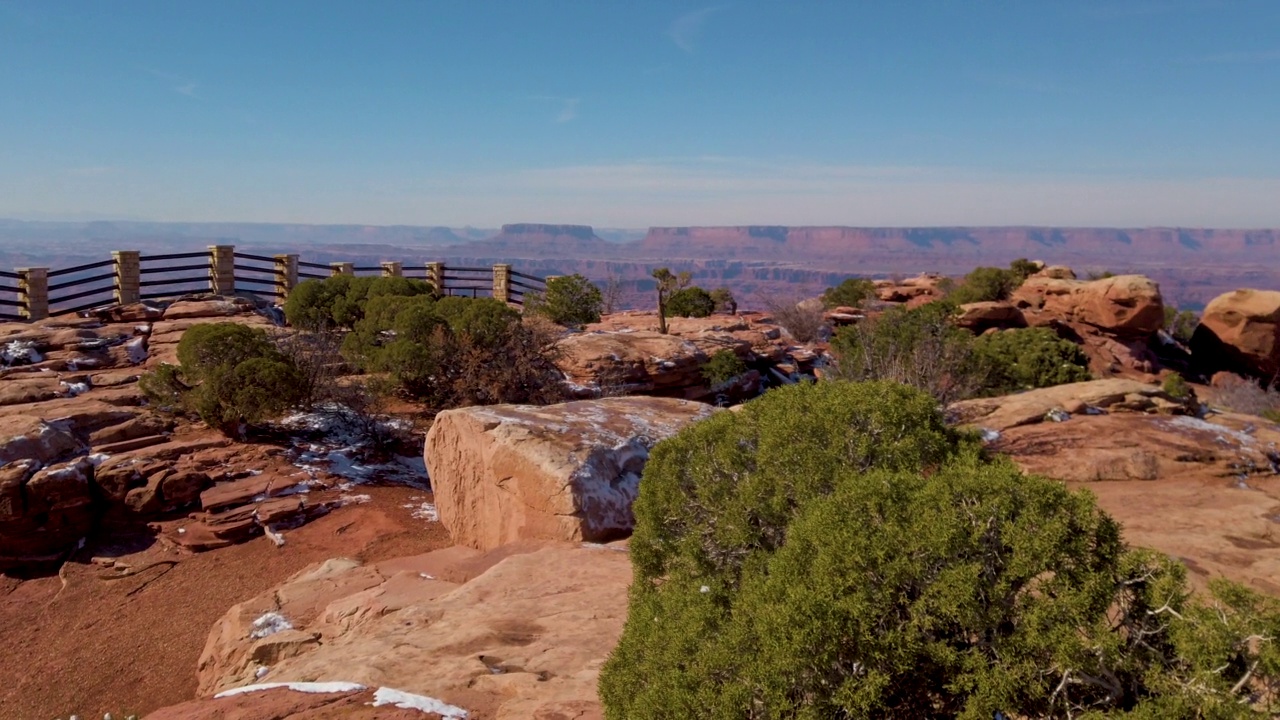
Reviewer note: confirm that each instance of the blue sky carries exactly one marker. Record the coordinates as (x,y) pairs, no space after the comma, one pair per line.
(628,114)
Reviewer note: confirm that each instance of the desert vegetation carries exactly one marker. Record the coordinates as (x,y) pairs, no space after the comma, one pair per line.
(569,300)
(992,283)
(923,348)
(849,293)
(837,550)
(230,375)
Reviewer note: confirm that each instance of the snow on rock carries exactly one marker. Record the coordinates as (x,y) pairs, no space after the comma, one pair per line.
(409,701)
(21,352)
(578,464)
(74,389)
(424,511)
(302,687)
(269,624)
(334,441)
(97,459)
(137,350)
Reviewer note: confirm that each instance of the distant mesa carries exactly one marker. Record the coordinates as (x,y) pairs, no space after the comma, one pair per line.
(581,232)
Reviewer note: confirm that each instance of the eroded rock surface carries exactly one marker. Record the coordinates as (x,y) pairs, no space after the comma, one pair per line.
(1240,331)
(505,473)
(513,634)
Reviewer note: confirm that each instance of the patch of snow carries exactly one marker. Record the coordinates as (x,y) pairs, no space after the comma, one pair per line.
(425,576)
(97,459)
(409,701)
(269,624)
(261,672)
(273,536)
(426,511)
(354,499)
(74,389)
(303,687)
(144,329)
(1057,415)
(137,350)
(182,531)
(21,352)
(990,436)
(1222,431)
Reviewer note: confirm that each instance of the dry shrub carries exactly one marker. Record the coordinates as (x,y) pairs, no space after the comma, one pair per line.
(1245,396)
(803,319)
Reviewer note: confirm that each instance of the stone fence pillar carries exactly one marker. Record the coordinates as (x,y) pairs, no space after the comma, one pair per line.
(222,270)
(128,276)
(392,269)
(435,276)
(502,282)
(342,268)
(33,293)
(286,275)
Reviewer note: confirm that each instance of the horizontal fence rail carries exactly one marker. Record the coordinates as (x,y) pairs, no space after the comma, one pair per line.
(130,276)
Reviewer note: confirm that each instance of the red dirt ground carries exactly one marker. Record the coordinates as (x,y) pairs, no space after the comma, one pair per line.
(130,645)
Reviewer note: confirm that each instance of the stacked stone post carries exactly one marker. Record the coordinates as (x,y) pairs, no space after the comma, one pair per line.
(128,276)
(286,275)
(222,269)
(342,268)
(392,269)
(502,282)
(33,293)
(435,276)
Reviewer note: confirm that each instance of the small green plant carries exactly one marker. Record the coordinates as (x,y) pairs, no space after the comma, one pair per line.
(1180,324)
(668,283)
(1175,386)
(230,375)
(692,301)
(570,300)
(724,300)
(985,284)
(1099,275)
(1030,358)
(849,293)
(723,366)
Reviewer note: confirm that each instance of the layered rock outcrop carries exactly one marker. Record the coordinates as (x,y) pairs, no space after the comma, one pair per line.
(1115,320)
(625,354)
(507,473)
(1240,332)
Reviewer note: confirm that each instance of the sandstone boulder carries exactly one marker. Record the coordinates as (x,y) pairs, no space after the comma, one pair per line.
(1124,305)
(563,472)
(46,511)
(982,316)
(1240,331)
(32,438)
(524,637)
(212,307)
(1033,406)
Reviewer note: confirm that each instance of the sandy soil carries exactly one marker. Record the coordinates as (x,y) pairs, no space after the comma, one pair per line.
(130,645)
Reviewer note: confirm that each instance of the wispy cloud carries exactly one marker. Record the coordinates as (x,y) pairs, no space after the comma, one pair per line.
(1239,57)
(568,106)
(569,111)
(684,30)
(179,84)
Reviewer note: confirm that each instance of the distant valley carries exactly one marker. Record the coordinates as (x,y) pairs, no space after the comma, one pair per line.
(1191,265)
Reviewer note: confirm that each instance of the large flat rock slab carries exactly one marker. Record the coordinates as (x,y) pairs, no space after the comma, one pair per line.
(525,638)
(569,472)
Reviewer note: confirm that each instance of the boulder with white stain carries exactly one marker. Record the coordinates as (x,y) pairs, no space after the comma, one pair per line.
(505,473)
